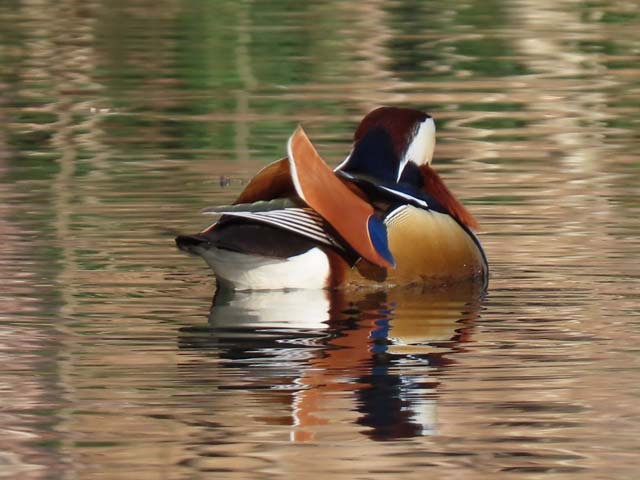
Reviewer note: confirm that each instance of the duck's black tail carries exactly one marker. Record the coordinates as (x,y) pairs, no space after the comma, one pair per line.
(188,243)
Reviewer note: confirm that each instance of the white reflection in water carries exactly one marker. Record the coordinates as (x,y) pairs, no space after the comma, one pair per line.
(362,357)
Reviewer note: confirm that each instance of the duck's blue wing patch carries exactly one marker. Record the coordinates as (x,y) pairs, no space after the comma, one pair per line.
(378,235)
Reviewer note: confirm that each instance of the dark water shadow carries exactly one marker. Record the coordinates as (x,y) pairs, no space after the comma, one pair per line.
(381,350)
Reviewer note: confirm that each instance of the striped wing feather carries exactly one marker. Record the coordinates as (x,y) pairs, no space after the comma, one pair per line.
(259,206)
(283,214)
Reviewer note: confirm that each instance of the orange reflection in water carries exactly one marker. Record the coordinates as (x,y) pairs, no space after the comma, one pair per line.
(356,372)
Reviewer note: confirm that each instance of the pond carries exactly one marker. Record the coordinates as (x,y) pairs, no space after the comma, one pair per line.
(120,121)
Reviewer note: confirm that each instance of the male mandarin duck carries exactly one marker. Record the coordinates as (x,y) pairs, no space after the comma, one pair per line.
(382,216)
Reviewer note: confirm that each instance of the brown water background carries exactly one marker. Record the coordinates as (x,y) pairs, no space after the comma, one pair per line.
(118,121)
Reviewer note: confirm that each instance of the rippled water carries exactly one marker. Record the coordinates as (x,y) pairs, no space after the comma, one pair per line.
(119,121)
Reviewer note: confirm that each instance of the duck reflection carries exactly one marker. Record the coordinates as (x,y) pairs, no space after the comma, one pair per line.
(359,357)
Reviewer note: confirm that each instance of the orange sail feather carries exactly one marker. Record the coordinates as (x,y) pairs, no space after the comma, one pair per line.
(323,191)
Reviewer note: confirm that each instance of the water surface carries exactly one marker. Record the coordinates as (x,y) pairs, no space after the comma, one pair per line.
(120,121)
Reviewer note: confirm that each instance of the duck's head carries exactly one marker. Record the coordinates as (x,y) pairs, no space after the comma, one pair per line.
(390,144)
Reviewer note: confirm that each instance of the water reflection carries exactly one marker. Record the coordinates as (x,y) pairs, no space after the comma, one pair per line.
(363,357)
(120,119)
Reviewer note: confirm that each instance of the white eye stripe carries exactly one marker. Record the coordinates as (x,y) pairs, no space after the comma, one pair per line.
(420,150)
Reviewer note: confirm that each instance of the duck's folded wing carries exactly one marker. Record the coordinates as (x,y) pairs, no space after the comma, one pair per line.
(281,213)
(351,216)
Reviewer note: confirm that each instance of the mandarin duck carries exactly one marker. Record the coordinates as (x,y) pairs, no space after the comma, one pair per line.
(382,216)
